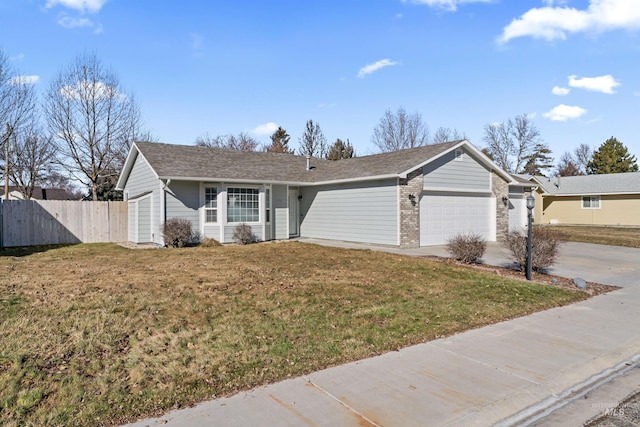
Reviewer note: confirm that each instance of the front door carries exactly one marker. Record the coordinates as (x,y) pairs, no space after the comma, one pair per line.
(293,213)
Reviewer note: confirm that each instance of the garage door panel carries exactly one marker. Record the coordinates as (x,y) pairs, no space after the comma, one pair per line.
(442,216)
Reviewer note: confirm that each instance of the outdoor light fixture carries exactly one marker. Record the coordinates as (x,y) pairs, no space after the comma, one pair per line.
(299,196)
(505,200)
(531,201)
(412,197)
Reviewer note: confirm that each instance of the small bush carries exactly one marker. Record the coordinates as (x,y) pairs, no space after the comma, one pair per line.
(177,232)
(243,235)
(544,247)
(467,248)
(209,243)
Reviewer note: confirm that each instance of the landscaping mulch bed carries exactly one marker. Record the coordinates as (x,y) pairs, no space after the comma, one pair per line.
(544,278)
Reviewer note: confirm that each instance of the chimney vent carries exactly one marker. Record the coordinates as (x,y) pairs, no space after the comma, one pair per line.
(308,162)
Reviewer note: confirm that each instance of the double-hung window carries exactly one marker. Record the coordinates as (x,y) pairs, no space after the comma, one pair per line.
(591,202)
(211,204)
(243,205)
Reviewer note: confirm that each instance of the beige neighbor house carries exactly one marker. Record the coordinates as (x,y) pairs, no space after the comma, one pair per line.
(608,199)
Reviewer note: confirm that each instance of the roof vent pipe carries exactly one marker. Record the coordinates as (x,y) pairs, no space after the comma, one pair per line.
(308,162)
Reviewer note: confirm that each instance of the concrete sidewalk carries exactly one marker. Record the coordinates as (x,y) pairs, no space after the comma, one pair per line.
(511,373)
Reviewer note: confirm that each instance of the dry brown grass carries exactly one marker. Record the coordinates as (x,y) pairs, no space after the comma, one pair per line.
(613,236)
(100,334)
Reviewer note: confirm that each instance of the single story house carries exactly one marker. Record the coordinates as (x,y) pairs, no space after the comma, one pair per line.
(408,198)
(605,199)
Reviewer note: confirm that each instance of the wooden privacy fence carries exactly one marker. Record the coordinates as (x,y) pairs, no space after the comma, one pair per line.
(50,222)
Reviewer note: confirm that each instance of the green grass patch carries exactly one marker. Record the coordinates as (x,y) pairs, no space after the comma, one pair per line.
(613,236)
(99,334)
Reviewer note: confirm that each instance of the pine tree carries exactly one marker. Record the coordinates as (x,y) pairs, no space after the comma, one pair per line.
(312,142)
(340,150)
(539,161)
(280,142)
(612,157)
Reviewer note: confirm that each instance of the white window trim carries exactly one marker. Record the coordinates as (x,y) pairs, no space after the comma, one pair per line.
(591,199)
(226,204)
(217,208)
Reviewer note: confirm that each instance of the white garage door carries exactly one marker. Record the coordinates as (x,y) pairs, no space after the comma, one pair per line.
(442,216)
(517,212)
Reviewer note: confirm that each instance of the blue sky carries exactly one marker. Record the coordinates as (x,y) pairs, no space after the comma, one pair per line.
(222,67)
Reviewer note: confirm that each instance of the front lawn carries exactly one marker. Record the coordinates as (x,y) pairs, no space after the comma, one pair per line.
(100,334)
(613,236)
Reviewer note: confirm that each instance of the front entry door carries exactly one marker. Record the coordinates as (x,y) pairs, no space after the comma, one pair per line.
(293,213)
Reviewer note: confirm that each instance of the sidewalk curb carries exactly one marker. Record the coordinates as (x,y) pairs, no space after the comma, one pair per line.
(537,412)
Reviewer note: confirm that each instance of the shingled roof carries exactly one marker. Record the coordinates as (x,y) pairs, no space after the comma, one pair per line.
(613,183)
(183,162)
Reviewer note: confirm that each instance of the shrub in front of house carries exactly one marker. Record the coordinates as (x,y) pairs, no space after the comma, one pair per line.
(177,232)
(467,247)
(243,235)
(545,244)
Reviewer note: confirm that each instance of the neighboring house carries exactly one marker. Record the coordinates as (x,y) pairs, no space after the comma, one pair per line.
(606,199)
(518,193)
(39,193)
(409,198)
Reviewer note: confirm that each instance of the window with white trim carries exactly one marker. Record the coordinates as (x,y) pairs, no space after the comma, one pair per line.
(459,155)
(211,204)
(590,202)
(243,205)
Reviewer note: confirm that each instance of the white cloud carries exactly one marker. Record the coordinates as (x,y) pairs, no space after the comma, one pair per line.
(70,22)
(604,84)
(448,5)
(368,69)
(265,129)
(560,91)
(85,89)
(552,23)
(91,6)
(562,113)
(18,57)
(636,93)
(25,80)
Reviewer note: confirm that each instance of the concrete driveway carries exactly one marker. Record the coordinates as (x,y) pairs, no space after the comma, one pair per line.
(611,265)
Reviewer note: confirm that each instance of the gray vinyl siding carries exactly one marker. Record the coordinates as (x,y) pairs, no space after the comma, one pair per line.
(144,220)
(255,228)
(447,172)
(357,212)
(133,226)
(142,180)
(183,201)
(280,211)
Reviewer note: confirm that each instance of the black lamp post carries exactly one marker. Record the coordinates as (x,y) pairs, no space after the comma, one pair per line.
(531,201)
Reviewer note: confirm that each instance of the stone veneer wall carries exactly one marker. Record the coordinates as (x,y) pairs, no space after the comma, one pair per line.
(500,189)
(410,209)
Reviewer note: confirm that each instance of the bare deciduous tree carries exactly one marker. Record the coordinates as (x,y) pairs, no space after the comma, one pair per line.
(312,142)
(17,106)
(567,166)
(242,142)
(399,130)
(31,154)
(445,135)
(582,156)
(93,120)
(512,143)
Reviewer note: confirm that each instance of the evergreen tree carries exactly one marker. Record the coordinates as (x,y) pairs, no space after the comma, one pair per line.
(280,142)
(612,157)
(539,161)
(312,142)
(340,150)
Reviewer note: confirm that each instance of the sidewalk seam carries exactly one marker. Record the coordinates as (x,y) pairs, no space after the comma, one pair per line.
(348,407)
